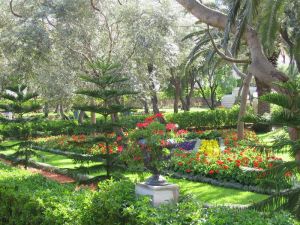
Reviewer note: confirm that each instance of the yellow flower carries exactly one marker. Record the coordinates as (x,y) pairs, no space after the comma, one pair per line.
(210,147)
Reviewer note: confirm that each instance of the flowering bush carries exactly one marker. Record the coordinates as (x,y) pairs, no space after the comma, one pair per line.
(149,143)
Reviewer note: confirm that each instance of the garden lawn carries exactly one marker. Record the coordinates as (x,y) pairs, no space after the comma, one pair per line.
(46,157)
(203,192)
(211,194)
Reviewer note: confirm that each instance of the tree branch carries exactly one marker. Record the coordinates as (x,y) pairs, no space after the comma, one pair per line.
(12,10)
(222,55)
(260,67)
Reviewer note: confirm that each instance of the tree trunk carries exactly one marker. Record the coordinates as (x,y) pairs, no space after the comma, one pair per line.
(61,112)
(154,98)
(146,106)
(262,106)
(46,110)
(243,106)
(294,136)
(57,109)
(93,114)
(154,101)
(176,98)
(80,117)
(260,67)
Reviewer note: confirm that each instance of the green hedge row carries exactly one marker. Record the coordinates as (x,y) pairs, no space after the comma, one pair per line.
(218,118)
(59,127)
(29,199)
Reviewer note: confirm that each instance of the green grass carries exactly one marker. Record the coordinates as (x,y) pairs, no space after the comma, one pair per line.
(204,192)
(208,193)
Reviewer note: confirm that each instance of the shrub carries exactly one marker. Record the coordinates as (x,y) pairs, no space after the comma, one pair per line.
(206,119)
(34,200)
(28,199)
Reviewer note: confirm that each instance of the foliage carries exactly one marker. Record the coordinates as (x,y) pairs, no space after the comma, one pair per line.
(47,202)
(149,143)
(289,115)
(32,199)
(108,86)
(206,119)
(20,101)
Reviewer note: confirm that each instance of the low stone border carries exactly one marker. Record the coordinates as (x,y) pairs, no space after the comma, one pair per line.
(46,167)
(69,154)
(226,184)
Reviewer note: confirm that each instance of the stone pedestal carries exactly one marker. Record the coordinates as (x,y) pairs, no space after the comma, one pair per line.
(160,194)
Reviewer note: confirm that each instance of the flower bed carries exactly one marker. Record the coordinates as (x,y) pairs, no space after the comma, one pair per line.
(238,163)
(82,144)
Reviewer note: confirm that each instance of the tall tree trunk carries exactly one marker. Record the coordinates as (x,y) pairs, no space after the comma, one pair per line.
(262,106)
(176,98)
(146,107)
(294,136)
(61,112)
(93,114)
(81,117)
(46,110)
(154,98)
(243,106)
(176,82)
(57,108)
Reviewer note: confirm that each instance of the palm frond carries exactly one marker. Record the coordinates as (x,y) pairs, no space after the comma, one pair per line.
(269,26)
(282,201)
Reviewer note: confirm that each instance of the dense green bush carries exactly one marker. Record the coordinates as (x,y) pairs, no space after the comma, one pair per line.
(29,199)
(206,119)
(34,200)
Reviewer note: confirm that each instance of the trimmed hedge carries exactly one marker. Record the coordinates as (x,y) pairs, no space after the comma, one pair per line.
(31,199)
(59,127)
(218,118)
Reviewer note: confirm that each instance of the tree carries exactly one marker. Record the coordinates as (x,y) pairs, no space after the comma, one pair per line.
(19,101)
(109,87)
(260,67)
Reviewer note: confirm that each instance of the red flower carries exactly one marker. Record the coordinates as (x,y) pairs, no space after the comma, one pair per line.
(119,138)
(163,143)
(211,172)
(288,174)
(120,148)
(225,167)
(142,125)
(220,162)
(180,163)
(238,162)
(256,164)
(181,132)
(188,170)
(171,126)
(159,115)
(270,165)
